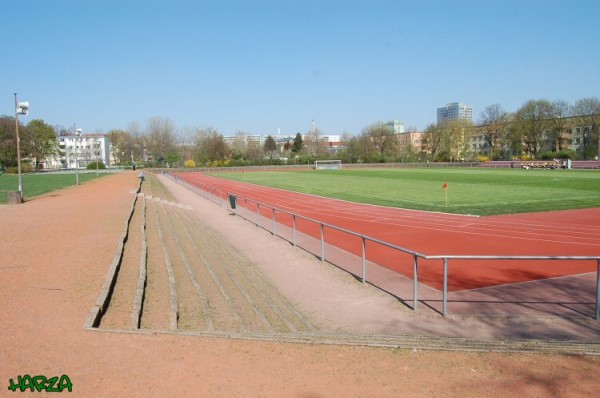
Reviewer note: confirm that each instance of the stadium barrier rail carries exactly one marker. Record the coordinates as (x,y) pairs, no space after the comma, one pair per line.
(220,197)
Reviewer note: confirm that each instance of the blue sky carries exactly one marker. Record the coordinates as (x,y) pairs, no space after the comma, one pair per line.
(259,65)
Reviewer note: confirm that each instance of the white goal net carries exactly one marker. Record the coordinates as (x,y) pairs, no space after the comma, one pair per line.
(328,164)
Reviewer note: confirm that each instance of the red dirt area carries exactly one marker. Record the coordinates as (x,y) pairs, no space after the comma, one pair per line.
(54,254)
(562,233)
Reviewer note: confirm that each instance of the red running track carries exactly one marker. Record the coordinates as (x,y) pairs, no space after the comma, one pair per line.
(561,233)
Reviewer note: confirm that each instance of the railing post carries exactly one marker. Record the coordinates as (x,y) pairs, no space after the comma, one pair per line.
(322,242)
(364,259)
(273,222)
(257,212)
(294,225)
(598,290)
(445,303)
(415,282)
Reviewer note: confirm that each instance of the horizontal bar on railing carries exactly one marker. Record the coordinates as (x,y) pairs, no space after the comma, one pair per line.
(504,257)
(335,227)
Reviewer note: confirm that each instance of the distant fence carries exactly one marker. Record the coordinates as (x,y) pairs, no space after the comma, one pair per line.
(311,166)
(575,164)
(286,225)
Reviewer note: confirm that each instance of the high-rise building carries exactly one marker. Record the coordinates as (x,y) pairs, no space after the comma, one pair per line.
(454,111)
(395,126)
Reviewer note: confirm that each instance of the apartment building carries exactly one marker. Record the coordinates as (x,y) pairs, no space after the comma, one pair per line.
(454,111)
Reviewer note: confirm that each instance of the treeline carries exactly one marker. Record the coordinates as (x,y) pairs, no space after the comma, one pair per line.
(37,141)
(161,145)
(538,129)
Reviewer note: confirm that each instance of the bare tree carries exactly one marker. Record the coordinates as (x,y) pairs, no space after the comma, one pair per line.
(161,139)
(313,144)
(493,125)
(561,110)
(137,143)
(432,142)
(185,140)
(383,139)
(239,146)
(587,112)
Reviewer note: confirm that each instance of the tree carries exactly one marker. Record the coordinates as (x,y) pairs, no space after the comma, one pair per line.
(560,112)
(436,143)
(43,141)
(254,151)
(239,145)
(210,146)
(531,121)
(120,142)
(587,113)
(185,139)
(8,142)
(383,138)
(366,148)
(458,133)
(270,146)
(298,143)
(494,122)
(161,139)
(313,144)
(351,152)
(137,143)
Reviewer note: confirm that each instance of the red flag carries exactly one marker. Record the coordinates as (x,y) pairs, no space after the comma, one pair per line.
(445,185)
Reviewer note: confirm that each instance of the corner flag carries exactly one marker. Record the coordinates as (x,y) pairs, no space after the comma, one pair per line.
(445,186)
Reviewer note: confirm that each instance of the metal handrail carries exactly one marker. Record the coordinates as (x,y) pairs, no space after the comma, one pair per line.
(212,190)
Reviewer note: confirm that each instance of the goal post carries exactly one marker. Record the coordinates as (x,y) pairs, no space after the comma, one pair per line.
(328,164)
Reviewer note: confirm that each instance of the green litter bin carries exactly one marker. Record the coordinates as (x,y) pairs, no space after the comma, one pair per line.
(232,201)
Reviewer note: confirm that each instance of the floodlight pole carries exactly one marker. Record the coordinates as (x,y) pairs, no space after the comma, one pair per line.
(18,147)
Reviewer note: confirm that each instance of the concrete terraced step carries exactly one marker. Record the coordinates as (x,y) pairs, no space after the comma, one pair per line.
(209,289)
(238,294)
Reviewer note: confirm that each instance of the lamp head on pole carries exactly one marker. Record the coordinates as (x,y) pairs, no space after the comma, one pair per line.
(23,108)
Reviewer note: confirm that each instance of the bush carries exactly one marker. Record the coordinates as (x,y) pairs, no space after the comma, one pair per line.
(25,168)
(564,154)
(190,164)
(92,166)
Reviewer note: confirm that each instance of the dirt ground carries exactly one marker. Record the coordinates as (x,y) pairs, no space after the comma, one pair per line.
(54,255)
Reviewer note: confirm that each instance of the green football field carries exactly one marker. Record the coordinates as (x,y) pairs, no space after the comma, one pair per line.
(40,183)
(469,190)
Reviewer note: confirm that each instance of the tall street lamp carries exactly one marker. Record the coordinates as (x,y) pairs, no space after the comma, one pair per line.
(21,108)
(77,134)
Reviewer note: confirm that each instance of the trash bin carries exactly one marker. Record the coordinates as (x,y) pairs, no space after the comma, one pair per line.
(232,201)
